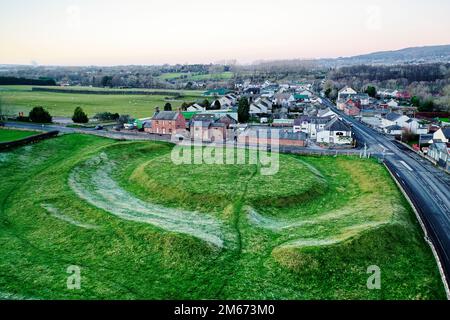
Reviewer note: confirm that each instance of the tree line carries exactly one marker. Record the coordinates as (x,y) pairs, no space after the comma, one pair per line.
(26,81)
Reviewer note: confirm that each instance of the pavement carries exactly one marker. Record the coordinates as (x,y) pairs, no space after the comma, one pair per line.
(427,186)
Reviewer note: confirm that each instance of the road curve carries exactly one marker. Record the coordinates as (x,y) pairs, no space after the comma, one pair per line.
(427,187)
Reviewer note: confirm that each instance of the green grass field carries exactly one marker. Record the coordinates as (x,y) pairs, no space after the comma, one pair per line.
(140,227)
(7,135)
(21,99)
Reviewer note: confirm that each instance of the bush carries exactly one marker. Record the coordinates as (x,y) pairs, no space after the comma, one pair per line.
(125,118)
(79,116)
(107,116)
(40,115)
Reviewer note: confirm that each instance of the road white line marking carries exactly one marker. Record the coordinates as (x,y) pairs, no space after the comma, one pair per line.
(406,166)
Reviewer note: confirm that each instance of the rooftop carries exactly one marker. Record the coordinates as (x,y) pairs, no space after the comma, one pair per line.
(166,115)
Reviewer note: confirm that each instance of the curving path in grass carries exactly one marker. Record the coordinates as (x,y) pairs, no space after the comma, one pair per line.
(56,213)
(92,182)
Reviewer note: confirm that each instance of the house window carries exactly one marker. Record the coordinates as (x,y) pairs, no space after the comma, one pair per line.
(339,133)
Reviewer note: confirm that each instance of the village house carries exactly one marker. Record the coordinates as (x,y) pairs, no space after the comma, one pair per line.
(208,131)
(392,103)
(326,113)
(261,106)
(195,107)
(226,102)
(210,127)
(393,118)
(310,125)
(442,135)
(335,132)
(284,99)
(352,108)
(350,102)
(386,93)
(167,122)
(362,98)
(415,127)
(345,93)
(394,130)
(440,153)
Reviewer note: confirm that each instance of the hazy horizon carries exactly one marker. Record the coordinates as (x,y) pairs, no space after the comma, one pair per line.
(155,32)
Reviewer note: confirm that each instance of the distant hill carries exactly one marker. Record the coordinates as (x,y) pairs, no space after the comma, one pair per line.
(426,54)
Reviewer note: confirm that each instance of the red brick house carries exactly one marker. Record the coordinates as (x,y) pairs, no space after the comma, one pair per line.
(210,127)
(167,122)
(353,103)
(403,95)
(352,107)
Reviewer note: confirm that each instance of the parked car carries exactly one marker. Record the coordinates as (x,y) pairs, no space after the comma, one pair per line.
(129,126)
(98,128)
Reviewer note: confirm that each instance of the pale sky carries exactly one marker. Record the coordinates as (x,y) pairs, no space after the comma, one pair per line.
(113,32)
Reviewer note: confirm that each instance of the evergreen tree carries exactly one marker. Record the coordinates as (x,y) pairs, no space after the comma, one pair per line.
(40,115)
(79,116)
(243,110)
(167,107)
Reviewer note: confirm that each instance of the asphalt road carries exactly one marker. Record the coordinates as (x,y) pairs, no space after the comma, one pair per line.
(427,187)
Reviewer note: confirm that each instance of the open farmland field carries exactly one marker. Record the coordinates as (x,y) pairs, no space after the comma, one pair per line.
(7,135)
(140,227)
(21,99)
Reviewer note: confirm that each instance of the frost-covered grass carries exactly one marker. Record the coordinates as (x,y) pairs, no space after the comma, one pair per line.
(55,212)
(93,183)
(141,228)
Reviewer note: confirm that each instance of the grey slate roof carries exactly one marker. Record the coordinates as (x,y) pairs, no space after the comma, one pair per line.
(204,117)
(392,116)
(314,120)
(337,125)
(446,132)
(204,124)
(323,111)
(394,127)
(166,115)
(425,138)
(282,134)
